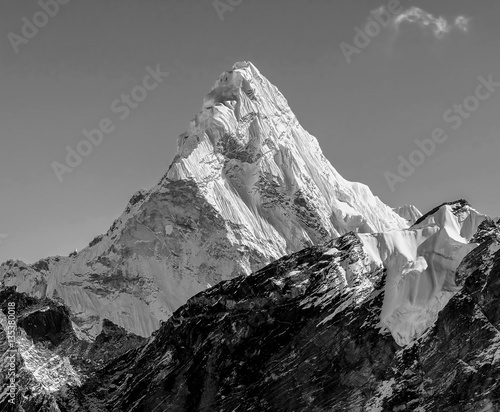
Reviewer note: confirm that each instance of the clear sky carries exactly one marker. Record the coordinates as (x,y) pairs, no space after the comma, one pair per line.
(364,113)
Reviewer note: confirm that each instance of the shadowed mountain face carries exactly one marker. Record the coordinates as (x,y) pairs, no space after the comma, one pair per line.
(248,185)
(305,334)
(52,353)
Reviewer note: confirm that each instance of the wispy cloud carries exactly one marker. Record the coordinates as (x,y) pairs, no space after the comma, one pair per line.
(439,25)
(462,23)
(3,236)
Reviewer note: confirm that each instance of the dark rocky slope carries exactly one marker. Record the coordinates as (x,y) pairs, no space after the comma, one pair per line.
(52,353)
(291,337)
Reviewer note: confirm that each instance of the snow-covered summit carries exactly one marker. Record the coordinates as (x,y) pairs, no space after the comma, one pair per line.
(247,186)
(246,147)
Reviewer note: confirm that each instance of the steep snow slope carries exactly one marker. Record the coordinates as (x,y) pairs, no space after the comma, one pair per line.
(408,212)
(247,186)
(421,263)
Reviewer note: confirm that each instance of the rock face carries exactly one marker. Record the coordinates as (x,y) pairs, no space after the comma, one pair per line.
(247,186)
(305,334)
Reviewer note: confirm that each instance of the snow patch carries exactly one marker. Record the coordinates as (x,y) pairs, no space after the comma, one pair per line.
(384,391)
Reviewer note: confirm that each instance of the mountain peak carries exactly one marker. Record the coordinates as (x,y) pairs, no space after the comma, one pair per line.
(456,206)
(247,186)
(243,117)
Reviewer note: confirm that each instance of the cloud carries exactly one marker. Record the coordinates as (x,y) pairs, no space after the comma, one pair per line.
(438,25)
(462,23)
(3,236)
